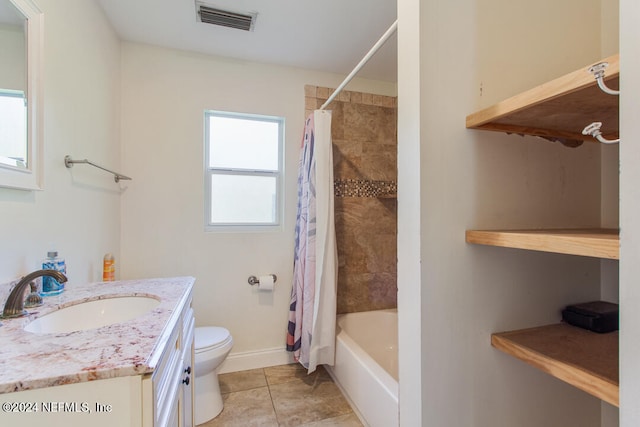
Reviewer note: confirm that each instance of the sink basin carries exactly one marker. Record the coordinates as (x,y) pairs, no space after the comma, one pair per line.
(92,314)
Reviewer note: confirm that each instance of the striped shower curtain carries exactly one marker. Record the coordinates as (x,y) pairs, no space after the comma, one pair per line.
(312,313)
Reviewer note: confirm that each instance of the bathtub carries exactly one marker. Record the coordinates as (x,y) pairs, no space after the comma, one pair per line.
(366,366)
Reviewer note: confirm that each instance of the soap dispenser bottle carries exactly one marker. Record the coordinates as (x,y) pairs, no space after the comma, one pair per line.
(108,268)
(51,286)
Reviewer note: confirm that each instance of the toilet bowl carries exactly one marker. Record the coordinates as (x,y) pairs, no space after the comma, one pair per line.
(212,345)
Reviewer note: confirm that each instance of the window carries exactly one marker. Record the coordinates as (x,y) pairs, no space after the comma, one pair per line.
(243,170)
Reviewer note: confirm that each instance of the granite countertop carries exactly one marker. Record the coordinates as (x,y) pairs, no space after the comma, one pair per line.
(31,361)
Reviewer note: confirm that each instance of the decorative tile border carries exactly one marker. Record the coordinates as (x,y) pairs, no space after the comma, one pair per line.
(364,188)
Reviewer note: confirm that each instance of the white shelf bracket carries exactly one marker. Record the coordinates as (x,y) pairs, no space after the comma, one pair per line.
(594,130)
(598,72)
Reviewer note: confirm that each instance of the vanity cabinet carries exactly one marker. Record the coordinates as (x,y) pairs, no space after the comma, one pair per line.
(164,384)
(163,398)
(187,410)
(169,390)
(558,111)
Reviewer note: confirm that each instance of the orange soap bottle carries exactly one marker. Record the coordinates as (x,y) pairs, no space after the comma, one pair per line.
(108,268)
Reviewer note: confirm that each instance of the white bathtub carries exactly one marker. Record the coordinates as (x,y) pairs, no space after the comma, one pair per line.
(366,367)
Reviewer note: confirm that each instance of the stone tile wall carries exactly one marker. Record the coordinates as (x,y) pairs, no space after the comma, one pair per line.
(365,174)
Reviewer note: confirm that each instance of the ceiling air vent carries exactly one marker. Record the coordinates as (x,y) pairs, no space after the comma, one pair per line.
(225,18)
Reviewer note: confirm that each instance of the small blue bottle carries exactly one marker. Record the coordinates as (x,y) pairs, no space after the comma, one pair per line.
(51,286)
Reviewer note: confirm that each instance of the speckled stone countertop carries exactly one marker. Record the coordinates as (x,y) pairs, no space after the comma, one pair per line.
(30,361)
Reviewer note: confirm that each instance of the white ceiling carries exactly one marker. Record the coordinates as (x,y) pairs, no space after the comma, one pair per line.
(324,35)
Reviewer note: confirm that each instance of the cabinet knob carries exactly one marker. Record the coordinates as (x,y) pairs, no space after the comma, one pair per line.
(188,370)
(186,381)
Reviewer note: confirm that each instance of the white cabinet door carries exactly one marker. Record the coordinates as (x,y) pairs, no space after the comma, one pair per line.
(187,416)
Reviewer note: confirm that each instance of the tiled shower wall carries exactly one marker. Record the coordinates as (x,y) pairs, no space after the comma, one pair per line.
(365,175)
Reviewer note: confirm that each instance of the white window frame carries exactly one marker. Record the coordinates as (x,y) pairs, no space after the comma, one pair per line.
(209,171)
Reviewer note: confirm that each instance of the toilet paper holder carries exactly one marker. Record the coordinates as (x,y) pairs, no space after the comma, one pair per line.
(253,280)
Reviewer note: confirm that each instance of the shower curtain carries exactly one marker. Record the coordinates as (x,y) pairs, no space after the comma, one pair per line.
(312,313)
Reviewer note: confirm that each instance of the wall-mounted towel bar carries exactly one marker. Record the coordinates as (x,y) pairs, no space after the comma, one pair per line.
(69,162)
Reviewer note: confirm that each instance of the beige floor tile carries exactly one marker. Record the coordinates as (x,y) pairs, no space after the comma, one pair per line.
(349,420)
(249,408)
(292,372)
(284,373)
(304,400)
(243,380)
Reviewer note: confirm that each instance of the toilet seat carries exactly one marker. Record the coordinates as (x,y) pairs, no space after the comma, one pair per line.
(208,338)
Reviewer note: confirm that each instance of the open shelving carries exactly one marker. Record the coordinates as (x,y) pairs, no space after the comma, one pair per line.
(599,243)
(560,110)
(587,360)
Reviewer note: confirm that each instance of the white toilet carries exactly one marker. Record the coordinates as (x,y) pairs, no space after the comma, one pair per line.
(212,345)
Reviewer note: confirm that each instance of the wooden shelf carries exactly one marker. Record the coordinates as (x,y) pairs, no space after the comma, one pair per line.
(558,109)
(584,359)
(599,243)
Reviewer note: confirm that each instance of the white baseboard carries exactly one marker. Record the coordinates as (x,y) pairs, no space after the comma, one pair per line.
(256,359)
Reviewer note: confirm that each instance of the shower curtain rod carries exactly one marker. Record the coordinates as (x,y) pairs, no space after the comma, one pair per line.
(392,29)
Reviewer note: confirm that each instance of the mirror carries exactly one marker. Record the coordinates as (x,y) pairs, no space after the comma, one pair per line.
(20,95)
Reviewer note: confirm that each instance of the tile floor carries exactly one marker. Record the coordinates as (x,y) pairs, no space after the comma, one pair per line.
(282,396)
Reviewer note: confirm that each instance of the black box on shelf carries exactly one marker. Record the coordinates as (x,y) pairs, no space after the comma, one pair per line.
(597,316)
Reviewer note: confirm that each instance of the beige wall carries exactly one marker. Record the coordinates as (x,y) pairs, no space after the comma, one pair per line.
(610,27)
(78,213)
(164,95)
(519,45)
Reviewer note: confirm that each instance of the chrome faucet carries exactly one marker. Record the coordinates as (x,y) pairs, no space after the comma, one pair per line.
(14,307)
